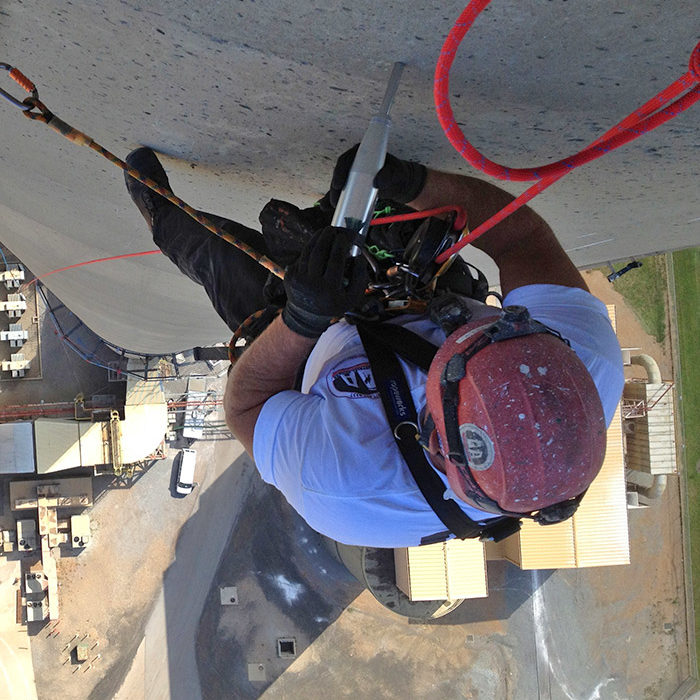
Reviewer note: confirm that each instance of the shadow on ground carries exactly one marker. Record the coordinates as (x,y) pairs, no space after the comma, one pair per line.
(289,587)
(509,588)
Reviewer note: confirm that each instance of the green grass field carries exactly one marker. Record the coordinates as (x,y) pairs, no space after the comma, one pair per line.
(686,268)
(645,290)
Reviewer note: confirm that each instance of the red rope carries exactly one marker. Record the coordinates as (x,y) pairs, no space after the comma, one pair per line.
(460,221)
(90,262)
(459,224)
(652,114)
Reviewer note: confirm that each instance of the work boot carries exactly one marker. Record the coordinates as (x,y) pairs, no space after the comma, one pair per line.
(146,200)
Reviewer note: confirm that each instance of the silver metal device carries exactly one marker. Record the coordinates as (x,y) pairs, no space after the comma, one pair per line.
(356,202)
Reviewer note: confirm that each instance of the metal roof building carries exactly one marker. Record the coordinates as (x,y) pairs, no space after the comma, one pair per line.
(16,453)
(53,444)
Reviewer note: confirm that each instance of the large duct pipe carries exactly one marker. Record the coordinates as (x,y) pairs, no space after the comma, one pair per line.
(650,365)
(650,487)
(656,490)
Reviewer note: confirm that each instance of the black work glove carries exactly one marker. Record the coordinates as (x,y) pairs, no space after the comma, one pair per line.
(323,282)
(399,180)
(286,228)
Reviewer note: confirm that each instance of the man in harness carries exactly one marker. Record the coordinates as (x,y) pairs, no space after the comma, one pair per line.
(468,416)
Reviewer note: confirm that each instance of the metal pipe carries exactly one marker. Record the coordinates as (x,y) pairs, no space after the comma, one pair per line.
(650,365)
(650,487)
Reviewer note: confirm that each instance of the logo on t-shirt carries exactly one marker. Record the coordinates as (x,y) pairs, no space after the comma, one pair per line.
(353,382)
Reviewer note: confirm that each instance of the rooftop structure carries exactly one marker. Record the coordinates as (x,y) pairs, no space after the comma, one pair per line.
(47,498)
(16,448)
(60,443)
(650,432)
(13,277)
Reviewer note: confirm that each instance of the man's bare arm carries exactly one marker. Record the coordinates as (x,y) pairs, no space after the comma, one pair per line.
(523,245)
(268,366)
(321,284)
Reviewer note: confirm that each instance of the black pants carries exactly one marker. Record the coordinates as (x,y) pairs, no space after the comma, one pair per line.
(233,281)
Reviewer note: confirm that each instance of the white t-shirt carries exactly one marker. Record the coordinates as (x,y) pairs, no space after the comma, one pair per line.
(329,450)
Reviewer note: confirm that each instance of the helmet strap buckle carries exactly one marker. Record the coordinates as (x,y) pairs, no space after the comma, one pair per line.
(449,311)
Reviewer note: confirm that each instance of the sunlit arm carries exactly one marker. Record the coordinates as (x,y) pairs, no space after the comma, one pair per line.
(268,366)
(522,245)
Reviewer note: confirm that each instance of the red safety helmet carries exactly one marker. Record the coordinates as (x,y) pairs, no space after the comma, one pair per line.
(518,417)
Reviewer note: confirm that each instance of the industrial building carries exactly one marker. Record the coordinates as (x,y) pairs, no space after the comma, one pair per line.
(50,509)
(48,445)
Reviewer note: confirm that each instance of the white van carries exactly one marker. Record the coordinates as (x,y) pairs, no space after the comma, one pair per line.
(185,472)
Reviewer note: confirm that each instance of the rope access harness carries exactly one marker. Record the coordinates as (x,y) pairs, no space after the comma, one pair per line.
(670,102)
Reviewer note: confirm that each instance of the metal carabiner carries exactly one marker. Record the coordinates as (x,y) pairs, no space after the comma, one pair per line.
(24,83)
(413,427)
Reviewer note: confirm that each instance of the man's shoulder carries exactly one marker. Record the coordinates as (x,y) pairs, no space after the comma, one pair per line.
(552,296)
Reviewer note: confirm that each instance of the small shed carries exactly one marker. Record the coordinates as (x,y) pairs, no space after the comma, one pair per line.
(82,651)
(79,530)
(451,570)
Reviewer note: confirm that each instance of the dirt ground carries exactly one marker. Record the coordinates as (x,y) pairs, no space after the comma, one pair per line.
(629,331)
(107,591)
(655,533)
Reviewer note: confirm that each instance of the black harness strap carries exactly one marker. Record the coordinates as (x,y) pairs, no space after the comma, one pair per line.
(408,344)
(379,343)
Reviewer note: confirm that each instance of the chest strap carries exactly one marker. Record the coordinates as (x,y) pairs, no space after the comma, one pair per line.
(382,342)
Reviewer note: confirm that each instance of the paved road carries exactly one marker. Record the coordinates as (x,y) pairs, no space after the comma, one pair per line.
(16,670)
(165,666)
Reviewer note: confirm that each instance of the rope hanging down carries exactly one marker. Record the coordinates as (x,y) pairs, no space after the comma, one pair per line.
(653,113)
(78,137)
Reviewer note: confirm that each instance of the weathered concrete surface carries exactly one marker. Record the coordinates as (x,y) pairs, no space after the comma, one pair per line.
(256,99)
(611,632)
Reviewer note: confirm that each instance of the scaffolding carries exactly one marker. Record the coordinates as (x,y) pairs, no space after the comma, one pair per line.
(113,441)
(100,352)
(633,407)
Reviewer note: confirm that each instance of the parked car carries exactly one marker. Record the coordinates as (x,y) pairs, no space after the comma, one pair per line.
(185,472)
